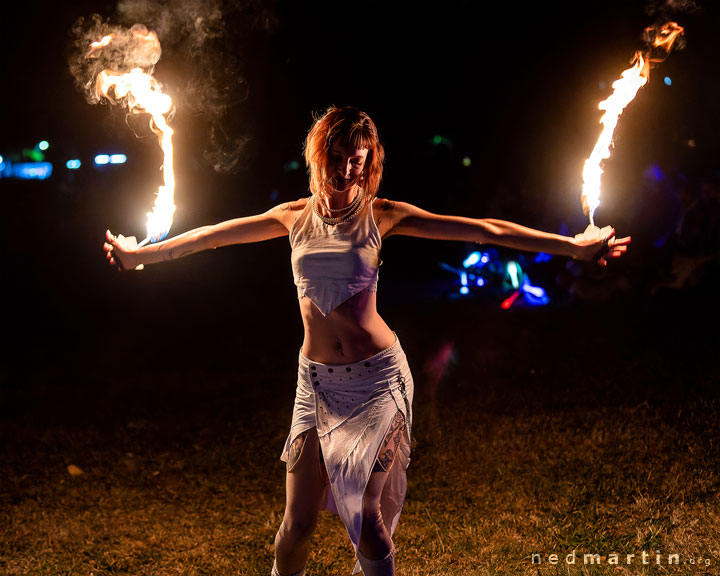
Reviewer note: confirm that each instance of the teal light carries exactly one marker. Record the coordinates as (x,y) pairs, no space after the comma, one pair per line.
(102,159)
(73,164)
(43,145)
(514,272)
(291,166)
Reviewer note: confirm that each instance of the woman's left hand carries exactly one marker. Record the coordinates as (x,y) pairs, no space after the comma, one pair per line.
(601,247)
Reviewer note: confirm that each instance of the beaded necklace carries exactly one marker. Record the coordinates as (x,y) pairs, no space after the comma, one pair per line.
(347,208)
(354,208)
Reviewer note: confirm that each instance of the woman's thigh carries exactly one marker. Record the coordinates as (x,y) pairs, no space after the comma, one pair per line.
(306,477)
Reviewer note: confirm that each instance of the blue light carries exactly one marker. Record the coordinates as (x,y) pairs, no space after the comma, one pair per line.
(534,290)
(473,258)
(534,295)
(118,159)
(43,145)
(464,290)
(668,81)
(542,257)
(654,172)
(102,159)
(480,281)
(463,278)
(485,258)
(31,170)
(1,159)
(73,164)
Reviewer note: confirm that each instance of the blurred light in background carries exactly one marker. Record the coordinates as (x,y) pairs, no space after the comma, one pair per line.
(103,159)
(73,164)
(291,166)
(514,272)
(28,170)
(439,140)
(472,258)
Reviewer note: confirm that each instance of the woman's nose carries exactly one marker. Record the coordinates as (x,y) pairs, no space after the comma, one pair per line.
(345,169)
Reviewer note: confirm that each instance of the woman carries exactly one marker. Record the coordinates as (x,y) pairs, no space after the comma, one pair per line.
(353,406)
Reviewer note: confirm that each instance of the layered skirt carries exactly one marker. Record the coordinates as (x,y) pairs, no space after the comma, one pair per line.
(352,407)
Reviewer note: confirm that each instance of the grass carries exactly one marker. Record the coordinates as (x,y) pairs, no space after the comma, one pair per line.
(584,428)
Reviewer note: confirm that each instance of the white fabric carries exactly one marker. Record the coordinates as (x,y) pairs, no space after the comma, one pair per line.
(352,406)
(331,263)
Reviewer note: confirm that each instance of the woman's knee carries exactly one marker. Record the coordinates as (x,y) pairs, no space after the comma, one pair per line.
(372,520)
(371,512)
(296,529)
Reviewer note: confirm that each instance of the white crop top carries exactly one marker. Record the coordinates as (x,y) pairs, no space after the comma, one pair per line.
(332,263)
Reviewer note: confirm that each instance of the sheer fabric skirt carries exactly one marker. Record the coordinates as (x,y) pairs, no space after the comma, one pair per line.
(352,406)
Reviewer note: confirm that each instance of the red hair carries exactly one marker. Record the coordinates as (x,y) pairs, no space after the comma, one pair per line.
(348,126)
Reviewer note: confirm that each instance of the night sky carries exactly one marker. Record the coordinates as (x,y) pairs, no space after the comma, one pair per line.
(513,88)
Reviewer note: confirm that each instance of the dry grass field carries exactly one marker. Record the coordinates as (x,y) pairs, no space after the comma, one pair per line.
(567,430)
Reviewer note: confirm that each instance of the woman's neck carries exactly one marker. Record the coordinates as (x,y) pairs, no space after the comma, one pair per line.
(341,199)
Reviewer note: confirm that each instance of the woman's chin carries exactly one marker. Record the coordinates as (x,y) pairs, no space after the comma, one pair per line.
(342,185)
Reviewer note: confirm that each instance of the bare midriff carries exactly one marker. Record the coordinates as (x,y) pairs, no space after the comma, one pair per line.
(350,333)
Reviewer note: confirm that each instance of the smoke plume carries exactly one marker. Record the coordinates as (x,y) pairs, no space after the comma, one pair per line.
(201,41)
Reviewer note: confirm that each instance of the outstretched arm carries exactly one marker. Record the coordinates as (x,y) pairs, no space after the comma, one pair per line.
(409,220)
(274,223)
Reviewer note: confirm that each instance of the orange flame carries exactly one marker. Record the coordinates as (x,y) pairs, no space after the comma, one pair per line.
(624,91)
(143,94)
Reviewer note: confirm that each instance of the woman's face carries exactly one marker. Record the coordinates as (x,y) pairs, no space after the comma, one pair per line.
(346,163)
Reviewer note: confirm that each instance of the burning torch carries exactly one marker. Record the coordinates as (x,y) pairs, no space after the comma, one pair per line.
(625,88)
(142,94)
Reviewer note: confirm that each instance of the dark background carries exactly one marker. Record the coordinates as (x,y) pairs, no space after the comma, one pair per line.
(512,86)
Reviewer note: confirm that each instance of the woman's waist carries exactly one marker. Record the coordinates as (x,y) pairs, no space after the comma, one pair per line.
(341,347)
(350,333)
(388,365)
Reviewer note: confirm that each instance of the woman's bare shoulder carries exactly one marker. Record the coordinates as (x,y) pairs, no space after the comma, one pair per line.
(298,204)
(289,207)
(385,212)
(287,212)
(383,204)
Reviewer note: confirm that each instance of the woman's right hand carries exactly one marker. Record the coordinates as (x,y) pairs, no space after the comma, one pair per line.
(121,252)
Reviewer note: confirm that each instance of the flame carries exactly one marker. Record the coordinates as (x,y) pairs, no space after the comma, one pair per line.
(143,95)
(100,43)
(624,91)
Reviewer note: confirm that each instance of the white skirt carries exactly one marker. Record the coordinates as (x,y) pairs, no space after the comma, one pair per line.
(352,406)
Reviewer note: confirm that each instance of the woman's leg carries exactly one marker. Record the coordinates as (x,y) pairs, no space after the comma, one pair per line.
(375,550)
(375,541)
(305,482)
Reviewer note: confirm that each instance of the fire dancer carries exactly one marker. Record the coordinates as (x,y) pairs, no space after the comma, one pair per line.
(349,441)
